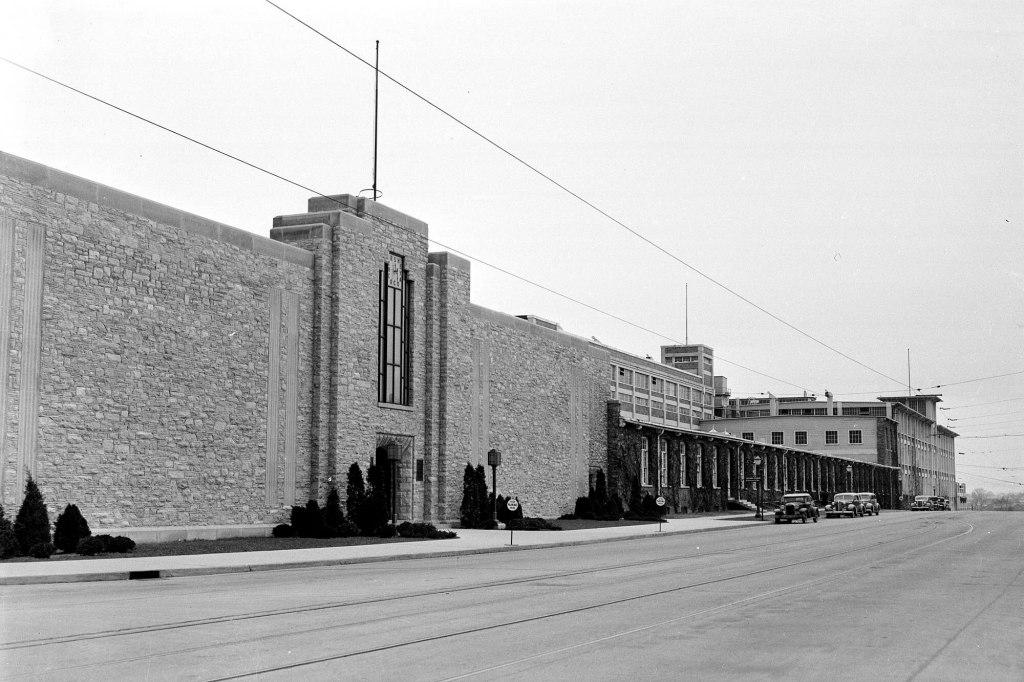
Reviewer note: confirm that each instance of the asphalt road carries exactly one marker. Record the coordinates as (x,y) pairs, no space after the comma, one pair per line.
(928,596)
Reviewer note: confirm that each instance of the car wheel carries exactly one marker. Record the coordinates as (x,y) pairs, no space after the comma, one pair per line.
(803,518)
(814,518)
(777,521)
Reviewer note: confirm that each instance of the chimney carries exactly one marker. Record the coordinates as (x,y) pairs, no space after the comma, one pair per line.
(828,403)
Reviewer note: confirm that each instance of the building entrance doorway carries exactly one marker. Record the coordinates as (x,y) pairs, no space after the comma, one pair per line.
(387,460)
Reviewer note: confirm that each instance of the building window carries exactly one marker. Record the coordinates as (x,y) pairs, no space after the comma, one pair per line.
(698,463)
(625,376)
(714,469)
(393,349)
(642,381)
(645,465)
(831,437)
(855,437)
(748,435)
(682,465)
(775,472)
(777,438)
(670,389)
(419,470)
(801,438)
(663,463)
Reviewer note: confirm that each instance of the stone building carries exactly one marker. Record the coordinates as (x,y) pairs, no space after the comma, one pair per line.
(163,371)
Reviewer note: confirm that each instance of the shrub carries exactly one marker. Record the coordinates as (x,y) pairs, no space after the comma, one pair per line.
(486,514)
(469,510)
(531,523)
(372,512)
(613,508)
(584,508)
(105,541)
(315,527)
(355,489)
(502,509)
(298,519)
(283,530)
(333,516)
(41,550)
(32,524)
(121,544)
(387,531)
(90,546)
(423,530)
(567,517)
(71,527)
(9,546)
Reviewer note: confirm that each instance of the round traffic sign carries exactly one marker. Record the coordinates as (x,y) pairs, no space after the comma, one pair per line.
(660,501)
(512,504)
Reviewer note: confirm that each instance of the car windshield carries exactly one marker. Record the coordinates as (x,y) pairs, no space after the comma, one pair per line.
(921,499)
(844,498)
(794,498)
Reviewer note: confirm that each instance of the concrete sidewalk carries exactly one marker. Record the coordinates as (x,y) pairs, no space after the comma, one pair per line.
(470,541)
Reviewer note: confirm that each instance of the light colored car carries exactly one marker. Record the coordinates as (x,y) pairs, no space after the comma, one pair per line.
(796,506)
(921,503)
(871,505)
(845,504)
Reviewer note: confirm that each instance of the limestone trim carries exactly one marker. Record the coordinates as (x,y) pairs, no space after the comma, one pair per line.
(6,287)
(273,395)
(290,301)
(31,350)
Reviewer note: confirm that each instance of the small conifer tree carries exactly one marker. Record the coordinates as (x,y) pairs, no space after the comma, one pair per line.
(9,546)
(70,527)
(32,524)
(355,489)
(469,510)
(334,518)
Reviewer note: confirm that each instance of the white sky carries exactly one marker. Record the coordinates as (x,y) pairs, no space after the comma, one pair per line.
(856,168)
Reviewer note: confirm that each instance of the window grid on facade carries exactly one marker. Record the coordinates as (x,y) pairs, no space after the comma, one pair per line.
(645,472)
(855,437)
(831,437)
(682,465)
(801,438)
(393,333)
(714,469)
(777,438)
(699,468)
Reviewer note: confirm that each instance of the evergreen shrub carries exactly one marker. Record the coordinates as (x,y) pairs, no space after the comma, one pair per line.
(41,550)
(283,530)
(71,527)
(423,530)
(32,524)
(121,544)
(584,508)
(90,546)
(355,489)
(9,546)
(532,523)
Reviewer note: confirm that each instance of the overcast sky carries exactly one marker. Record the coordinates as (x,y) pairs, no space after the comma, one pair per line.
(853,168)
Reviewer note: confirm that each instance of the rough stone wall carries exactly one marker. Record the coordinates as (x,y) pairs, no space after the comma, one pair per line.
(539,396)
(361,234)
(150,387)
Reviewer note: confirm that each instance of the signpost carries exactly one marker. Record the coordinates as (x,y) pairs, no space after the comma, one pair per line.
(660,501)
(512,505)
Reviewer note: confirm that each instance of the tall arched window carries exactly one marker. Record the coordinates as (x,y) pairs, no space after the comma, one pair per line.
(393,347)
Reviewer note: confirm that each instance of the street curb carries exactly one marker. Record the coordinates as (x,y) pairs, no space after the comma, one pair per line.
(320,563)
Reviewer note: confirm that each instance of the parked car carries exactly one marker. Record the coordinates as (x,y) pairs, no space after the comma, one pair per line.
(796,506)
(921,503)
(942,504)
(936,501)
(845,504)
(871,505)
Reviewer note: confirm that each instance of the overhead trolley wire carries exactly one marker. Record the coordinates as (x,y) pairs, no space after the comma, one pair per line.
(576,196)
(329,198)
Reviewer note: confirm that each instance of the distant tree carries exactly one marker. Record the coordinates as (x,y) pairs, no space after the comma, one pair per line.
(32,524)
(355,489)
(70,527)
(980,499)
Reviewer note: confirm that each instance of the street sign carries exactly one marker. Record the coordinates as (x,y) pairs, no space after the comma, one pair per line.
(660,501)
(512,504)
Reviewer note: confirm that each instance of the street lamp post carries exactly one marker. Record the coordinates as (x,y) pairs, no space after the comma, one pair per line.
(494,461)
(757,470)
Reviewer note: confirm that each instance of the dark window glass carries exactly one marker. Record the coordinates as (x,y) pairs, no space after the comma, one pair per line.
(393,333)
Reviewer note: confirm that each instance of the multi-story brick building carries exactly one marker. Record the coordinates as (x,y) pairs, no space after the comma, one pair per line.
(893,431)
(162,370)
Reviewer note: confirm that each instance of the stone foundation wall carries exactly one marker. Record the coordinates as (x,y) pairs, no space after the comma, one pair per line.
(155,363)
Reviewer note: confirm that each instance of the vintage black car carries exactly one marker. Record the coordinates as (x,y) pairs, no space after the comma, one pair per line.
(921,503)
(845,504)
(871,505)
(796,506)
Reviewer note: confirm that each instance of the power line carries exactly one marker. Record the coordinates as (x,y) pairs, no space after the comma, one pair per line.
(1000,435)
(994,402)
(984,416)
(576,196)
(971,381)
(324,196)
(985,425)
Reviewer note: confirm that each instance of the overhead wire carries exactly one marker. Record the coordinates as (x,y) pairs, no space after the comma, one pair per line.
(576,196)
(322,195)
